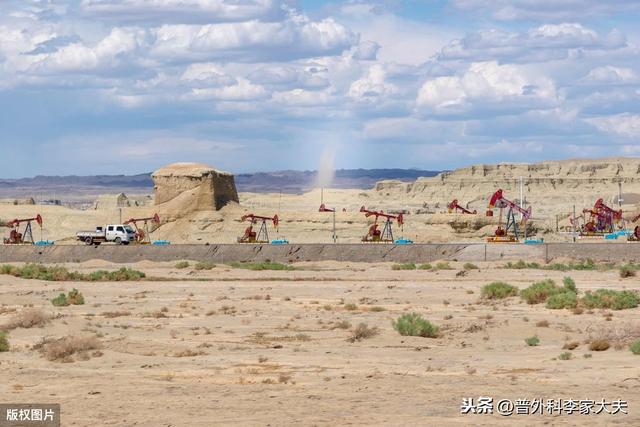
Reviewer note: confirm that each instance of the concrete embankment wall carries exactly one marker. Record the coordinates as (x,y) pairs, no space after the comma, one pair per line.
(475,252)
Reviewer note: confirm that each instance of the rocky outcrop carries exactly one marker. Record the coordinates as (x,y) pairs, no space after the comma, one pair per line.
(197,186)
(551,187)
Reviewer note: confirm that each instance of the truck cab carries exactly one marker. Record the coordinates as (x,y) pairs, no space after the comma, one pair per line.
(120,234)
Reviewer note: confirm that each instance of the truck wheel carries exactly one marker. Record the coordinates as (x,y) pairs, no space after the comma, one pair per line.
(118,241)
(88,241)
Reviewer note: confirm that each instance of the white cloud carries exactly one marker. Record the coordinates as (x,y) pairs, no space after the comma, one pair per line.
(296,37)
(610,74)
(547,9)
(626,124)
(372,86)
(543,43)
(484,84)
(185,10)
(242,90)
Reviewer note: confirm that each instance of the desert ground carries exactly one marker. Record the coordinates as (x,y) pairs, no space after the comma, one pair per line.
(187,347)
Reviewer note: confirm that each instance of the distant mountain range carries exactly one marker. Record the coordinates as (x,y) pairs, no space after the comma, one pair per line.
(260,182)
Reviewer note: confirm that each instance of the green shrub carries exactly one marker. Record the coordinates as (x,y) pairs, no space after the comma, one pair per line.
(556,266)
(588,264)
(350,307)
(4,341)
(634,347)
(539,291)
(627,270)
(562,300)
(182,264)
(498,290)
(75,297)
(565,356)
(569,284)
(261,266)
(520,264)
(205,265)
(60,301)
(607,298)
(414,325)
(425,266)
(405,266)
(57,273)
(122,275)
(470,266)
(443,266)
(532,341)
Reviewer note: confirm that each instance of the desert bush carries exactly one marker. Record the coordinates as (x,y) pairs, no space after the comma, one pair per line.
(444,265)
(205,265)
(520,264)
(30,318)
(565,356)
(62,349)
(60,301)
(350,307)
(599,345)
(542,324)
(470,266)
(634,347)
(627,270)
(40,272)
(377,309)
(182,264)
(413,324)
(498,290)
(73,298)
(569,284)
(4,341)
(539,291)
(122,275)
(562,300)
(571,345)
(532,341)
(425,266)
(268,265)
(343,324)
(405,266)
(607,298)
(361,332)
(587,264)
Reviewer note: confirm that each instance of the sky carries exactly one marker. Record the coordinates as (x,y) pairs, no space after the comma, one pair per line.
(126,86)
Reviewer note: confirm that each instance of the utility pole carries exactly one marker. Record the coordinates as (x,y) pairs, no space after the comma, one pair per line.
(620,193)
(573,223)
(521,198)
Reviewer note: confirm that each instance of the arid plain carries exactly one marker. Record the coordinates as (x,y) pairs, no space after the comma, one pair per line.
(229,345)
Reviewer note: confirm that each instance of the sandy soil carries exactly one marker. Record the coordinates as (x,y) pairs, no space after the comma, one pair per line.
(262,348)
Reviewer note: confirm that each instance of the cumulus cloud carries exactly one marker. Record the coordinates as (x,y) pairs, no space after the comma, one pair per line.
(372,86)
(626,125)
(547,9)
(186,10)
(296,37)
(543,43)
(609,74)
(486,84)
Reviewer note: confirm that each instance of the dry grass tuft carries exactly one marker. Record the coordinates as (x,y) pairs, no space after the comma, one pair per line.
(599,345)
(362,332)
(62,349)
(30,318)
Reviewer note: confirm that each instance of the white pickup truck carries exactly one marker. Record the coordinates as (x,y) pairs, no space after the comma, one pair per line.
(119,234)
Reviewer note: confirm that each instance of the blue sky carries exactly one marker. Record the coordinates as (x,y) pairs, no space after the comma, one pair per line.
(125,86)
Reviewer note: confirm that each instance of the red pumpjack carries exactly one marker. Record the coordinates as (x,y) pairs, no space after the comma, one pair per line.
(602,219)
(511,232)
(262,236)
(143,235)
(15,236)
(374,234)
(455,207)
